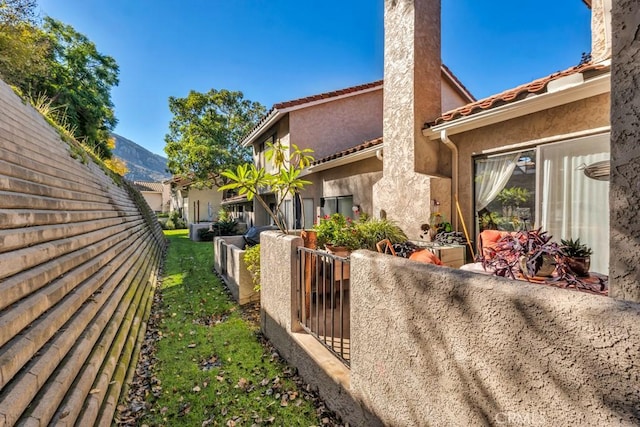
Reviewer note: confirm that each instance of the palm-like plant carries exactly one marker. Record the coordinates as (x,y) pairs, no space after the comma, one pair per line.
(251,181)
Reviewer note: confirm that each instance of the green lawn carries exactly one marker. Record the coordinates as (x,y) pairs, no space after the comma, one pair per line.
(211,367)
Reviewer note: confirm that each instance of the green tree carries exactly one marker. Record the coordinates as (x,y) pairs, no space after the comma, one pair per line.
(13,12)
(23,46)
(205,133)
(80,78)
(55,62)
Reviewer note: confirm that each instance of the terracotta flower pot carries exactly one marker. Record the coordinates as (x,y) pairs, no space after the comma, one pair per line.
(340,269)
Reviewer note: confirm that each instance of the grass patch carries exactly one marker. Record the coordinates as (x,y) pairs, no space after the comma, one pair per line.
(211,368)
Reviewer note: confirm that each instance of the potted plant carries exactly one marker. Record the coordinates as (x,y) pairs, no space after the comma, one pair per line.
(529,252)
(337,234)
(370,231)
(578,256)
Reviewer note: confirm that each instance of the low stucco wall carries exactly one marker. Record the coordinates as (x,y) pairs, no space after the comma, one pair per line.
(195,227)
(437,346)
(232,268)
(278,309)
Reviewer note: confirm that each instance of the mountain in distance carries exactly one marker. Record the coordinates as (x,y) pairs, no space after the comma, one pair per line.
(143,165)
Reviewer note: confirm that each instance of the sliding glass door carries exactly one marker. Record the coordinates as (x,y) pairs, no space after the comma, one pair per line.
(571,204)
(549,186)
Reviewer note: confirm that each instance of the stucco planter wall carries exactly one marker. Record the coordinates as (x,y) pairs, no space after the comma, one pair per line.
(229,263)
(193,230)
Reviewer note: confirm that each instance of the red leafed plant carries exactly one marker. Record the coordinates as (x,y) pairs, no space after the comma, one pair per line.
(526,250)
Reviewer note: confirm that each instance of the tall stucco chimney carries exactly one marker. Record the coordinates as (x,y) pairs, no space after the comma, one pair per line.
(412,97)
(600,30)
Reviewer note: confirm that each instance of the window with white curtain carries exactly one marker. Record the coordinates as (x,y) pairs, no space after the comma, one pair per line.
(572,205)
(505,189)
(547,187)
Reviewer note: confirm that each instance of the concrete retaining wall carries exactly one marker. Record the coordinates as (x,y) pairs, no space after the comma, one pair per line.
(79,258)
(229,263)
(439,346)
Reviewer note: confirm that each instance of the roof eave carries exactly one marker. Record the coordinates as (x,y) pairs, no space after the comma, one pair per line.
(592,87)
(271,119)
(344,160)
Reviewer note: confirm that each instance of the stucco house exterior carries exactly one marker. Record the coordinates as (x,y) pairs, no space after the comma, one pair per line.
(156,194)
(196,204)
(343,128)
(431,345)
(549,137)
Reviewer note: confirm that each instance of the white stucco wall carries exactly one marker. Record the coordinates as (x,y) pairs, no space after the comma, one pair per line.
(204,197)
(153,199)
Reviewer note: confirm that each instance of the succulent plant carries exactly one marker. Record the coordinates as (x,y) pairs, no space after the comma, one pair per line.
(575,249)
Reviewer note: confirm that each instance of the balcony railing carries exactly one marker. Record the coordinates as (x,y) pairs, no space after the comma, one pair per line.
(323,295)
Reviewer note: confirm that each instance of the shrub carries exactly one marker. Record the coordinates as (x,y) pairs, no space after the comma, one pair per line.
(176,220)
(224,215)
(226,227)
(206,235)
(372,230)
(337,230)
(252,261)
(220,228)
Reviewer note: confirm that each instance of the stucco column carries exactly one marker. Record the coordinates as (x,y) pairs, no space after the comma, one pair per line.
(624,270)
(600,30)
(412,97)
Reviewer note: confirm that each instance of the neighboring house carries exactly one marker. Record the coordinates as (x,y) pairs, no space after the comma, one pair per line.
(343,128)
(156,195)
(195,204)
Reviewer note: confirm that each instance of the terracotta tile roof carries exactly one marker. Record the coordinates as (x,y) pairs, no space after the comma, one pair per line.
(326,95)
(359,147)
(535,87)
(445,71)
(148,186)
(308,99)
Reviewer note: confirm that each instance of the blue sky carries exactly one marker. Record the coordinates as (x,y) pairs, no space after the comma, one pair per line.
(277,50)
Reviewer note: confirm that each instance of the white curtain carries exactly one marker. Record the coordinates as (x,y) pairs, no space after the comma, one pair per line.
(492,174)
(573,205)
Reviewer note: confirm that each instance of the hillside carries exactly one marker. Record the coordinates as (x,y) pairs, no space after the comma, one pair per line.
(143,165)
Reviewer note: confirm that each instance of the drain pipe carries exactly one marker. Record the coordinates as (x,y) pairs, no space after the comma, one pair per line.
(379,154)
(454,174)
